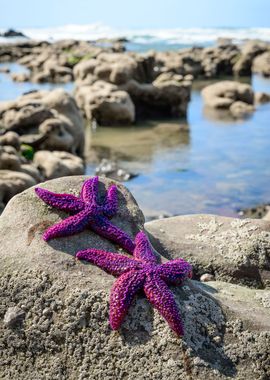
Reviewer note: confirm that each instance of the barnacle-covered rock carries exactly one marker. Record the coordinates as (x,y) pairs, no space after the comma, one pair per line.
(233,250)
(65,330)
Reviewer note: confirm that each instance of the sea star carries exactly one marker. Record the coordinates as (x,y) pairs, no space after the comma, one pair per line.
(86,213)
(143,271)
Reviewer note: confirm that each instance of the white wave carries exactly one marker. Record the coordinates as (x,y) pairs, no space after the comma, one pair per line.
(185,36)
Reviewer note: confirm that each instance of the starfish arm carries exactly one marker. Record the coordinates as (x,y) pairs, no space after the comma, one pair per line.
(122,294)
(111,263)
(162,299)
(175,271)
(89,192)
(111,203)
(65,202)
(105,228)
(70,226)
(143,250)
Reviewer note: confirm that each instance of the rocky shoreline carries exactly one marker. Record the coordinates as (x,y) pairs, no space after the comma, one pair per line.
(112,87)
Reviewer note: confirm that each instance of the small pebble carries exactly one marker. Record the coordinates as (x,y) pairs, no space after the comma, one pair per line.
(13,316)
(47,311)
(217,339)
(207,277)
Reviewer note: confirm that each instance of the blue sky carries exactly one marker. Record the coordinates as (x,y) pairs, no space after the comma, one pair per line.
(134,14)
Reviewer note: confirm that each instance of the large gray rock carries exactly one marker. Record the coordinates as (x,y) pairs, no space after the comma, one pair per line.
(106,104)
(249,51)
(233,250)
(261,64)
(64,331)
(45,120)
(58,164)
(167,96)
(235,98)
(12,183)
(223,94)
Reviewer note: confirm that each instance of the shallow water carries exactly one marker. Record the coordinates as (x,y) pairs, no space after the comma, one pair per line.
(213,167)
(216,167)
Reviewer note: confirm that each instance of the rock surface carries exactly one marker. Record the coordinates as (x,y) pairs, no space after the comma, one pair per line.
(261,64)
(233,250)
(58,164)
(106,104)
(12,183)
(65,332)
(235,97)
(112,85)
(45,120)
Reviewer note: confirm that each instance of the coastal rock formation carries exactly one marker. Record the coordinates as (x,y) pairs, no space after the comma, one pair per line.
(210,62)
(233,250)
(261,64)
(54,309)
(99,81)
(11,158)
(105,103)
(249,50)
(52,62)
(45,120)
(235,97)
(167,96)
(116,68)
(12,33)
(12,183)
(58,164)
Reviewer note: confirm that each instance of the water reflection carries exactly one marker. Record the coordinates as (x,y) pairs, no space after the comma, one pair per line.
(139,143)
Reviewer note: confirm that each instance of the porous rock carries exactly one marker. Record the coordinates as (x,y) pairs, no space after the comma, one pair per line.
(233,97)
(106,104)
(12,183)
(233,250)
(261,64)
(223,94)
(66,333)
(58,164)
(45,120)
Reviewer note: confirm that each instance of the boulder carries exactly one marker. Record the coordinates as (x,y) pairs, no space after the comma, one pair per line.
(13,33)
(106,104)
(223,94)
(233,97)
(115,68)
(9,158)
(233,250)
(12,183)
(63,330)
(249,51)
(261,64)
(45,120)
(240,110)
(58,164)
(165,97)
(10,138)
(262,98)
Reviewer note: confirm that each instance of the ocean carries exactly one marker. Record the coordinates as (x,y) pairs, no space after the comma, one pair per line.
(145,39)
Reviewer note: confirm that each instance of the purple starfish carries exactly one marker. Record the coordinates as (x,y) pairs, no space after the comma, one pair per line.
(86,213)
(141,272)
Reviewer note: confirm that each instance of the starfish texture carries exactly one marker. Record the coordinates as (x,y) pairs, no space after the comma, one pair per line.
(86,212)
(143,271)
